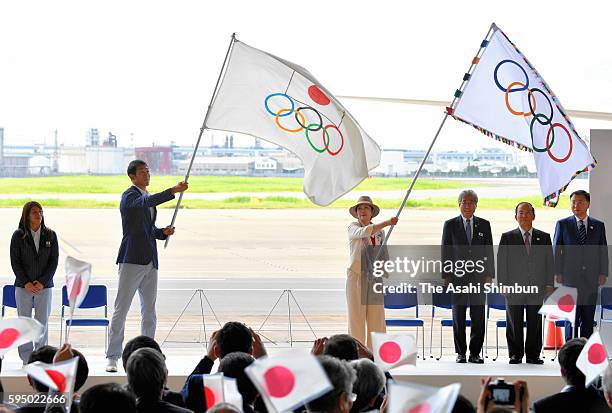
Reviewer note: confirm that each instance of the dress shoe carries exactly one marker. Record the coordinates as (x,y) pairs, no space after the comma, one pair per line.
(535,361)
(461,358)
(475,359)
(515,360)
(111,366)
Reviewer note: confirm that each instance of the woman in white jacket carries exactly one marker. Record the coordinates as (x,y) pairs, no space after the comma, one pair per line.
(363,317)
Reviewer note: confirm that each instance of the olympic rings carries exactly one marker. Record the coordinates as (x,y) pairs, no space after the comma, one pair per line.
(302,124)
(541,118)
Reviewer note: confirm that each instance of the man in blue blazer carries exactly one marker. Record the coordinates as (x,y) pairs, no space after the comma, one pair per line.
(581,259)
(137,256)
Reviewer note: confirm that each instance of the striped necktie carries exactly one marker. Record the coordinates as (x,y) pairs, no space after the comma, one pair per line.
(468,231)
(581,233)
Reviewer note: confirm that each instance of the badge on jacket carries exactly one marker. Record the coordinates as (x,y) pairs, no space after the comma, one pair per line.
(48,244)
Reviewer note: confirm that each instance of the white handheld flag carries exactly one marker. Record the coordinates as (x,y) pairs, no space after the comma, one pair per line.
(393,350)
(213,389)
(507,99)
(593,359)
(561,304)
(17,331)
(58,376)
(290,380)
(415,398)
(231,394)
(270,98)
(78,274)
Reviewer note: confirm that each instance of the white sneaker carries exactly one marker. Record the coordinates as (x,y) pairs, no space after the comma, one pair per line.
(111,367)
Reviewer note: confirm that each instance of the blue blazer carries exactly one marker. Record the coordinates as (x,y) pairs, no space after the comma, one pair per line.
(138,245)
(580,266)
(30,265)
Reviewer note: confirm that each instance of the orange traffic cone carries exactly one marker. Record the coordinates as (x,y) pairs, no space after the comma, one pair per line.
(551,331)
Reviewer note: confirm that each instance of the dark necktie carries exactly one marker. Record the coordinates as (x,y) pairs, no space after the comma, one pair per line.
(527,243)
(468,231)
(581,233)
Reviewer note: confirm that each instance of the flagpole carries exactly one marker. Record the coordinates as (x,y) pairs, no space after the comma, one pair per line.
(448,111)
(69,324)
(212,98)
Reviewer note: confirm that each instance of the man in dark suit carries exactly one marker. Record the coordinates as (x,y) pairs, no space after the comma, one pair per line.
(525,259)
(574,397)
(137,256)
(468,239)
(581,259)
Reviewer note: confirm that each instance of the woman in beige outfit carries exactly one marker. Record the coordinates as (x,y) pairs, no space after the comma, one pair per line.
(363,317)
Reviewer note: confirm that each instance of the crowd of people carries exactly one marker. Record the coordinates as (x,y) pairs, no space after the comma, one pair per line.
(359,385)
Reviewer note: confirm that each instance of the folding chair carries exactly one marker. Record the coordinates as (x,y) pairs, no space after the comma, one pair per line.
(96,297)
(8,297)
(401,301)
(443,301)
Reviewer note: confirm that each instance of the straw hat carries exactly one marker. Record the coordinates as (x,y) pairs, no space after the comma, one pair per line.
(364,200)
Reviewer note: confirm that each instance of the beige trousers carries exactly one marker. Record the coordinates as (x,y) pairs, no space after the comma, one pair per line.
(362,319)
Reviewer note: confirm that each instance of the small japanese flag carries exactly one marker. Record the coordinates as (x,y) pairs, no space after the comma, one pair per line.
(393,350)
(213,389)
(231,393)
(289,380)
(78,274)
(17,331)
(415,398)
(593,359)
(561,304)
(59,376)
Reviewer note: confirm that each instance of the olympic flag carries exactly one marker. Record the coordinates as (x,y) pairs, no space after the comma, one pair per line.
(270,98)
(506,98)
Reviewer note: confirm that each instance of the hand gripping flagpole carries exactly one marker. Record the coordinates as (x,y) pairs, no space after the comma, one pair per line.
(449,110)
(195,151)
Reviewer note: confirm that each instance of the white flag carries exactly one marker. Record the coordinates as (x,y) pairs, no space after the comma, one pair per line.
(213,389)
(78,274)
(561,304)
(58,376)
(231,394)
(415,398)
(290,380)
(270,98)
(507,99)
(593,359)
(16,331)
(393,350)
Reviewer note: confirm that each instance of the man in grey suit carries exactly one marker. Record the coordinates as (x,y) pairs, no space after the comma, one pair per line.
(525,258)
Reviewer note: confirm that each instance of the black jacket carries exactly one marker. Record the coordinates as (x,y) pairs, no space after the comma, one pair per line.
(29,265)
(573,400)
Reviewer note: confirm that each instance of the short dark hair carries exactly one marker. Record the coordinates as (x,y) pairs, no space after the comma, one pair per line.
(234,336)
(133,166)
(463,405)
(342,377)
(341,346)
(233,365)
(107,397)
(583,193)
(147,373)
(82,372)
(370,382)
(521,203)
(567,360)
(136,343)
(44,354)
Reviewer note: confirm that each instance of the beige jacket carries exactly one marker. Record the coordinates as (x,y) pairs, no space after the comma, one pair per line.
(359,237)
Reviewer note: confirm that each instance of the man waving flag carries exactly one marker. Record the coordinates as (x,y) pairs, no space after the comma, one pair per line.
(265,96)
(504,97)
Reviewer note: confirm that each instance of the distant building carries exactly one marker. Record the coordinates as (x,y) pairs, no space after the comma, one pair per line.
(218,165)
(158,158)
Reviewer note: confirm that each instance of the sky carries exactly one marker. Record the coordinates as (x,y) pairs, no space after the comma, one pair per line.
(145,70)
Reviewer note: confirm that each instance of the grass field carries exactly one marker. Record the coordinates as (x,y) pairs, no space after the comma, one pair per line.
(200,184)
(277,202)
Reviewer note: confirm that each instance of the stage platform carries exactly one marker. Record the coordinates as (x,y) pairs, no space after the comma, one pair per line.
(543,380)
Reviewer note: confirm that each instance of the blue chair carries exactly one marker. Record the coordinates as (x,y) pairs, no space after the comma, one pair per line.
(403,301)
(8,297)
(443,301)
(606,304)
(96,297)
(565,324)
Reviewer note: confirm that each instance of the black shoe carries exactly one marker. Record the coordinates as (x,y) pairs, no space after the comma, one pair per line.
(516,360)
(461,358)
(536,360)
(475,359)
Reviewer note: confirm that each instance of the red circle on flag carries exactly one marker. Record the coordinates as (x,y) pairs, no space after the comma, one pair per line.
(566,303)
(279,381)
(597,354)
(317,95)
(421,408)
(390,352)
(58,378)
(209,397)
(8,337)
